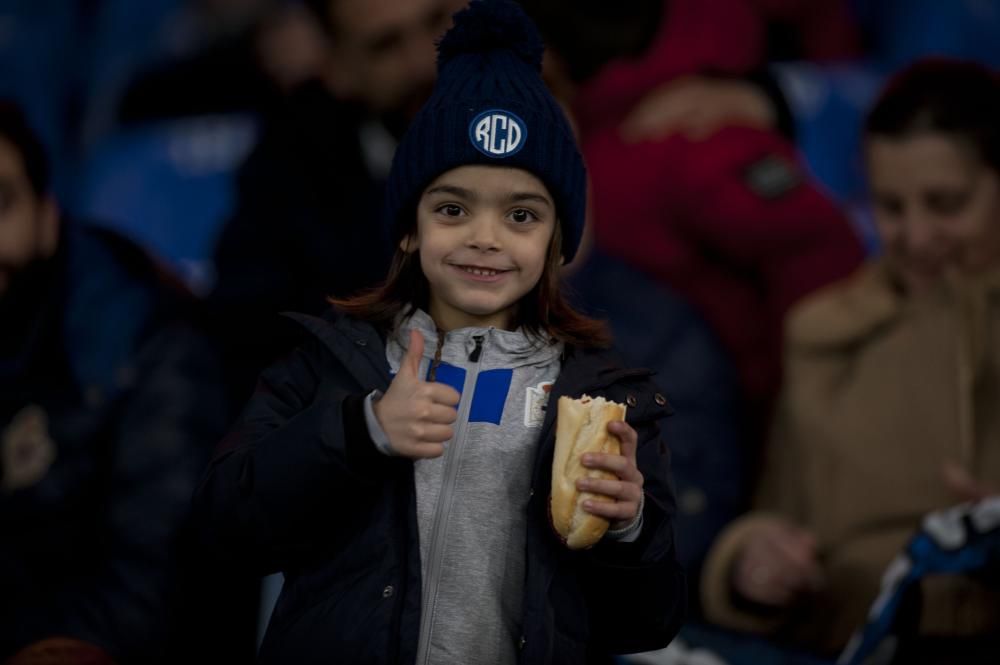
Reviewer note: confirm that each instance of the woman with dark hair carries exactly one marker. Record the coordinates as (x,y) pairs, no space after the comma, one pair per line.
(889,409)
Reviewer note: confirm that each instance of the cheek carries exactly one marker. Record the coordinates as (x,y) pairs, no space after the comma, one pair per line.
(889,231)
(534,266)
(973,228)
(981,242)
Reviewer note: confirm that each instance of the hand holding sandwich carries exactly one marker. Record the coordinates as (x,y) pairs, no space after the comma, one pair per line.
(596,482)
(626,490)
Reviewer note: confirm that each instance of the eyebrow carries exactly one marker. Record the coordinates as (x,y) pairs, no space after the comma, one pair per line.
(471,195)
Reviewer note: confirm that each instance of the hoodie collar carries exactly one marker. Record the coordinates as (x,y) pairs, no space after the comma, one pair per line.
(501,348)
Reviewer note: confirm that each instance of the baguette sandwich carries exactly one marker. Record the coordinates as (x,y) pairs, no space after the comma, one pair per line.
(581,427)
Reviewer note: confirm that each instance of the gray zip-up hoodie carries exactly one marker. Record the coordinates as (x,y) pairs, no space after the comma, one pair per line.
(472,501)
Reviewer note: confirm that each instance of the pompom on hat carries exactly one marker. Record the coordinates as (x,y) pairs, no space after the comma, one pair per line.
(490,107)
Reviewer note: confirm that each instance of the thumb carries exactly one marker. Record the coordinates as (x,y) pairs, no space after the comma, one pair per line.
(414,354)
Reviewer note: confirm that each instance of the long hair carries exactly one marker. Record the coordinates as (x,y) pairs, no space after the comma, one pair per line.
(542,311)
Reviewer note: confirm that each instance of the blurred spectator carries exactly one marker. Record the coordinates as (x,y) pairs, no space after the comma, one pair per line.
(889,406)
(828,100)
(726,217)
(109,408)
(227,56)
(307,224)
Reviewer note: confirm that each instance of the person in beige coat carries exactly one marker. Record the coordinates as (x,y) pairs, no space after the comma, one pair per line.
(891,402)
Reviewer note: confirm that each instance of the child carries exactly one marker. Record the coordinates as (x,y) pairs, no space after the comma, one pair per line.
(397,467)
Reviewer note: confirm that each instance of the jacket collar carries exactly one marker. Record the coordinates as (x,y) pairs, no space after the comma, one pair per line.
(356,344)
(868,300)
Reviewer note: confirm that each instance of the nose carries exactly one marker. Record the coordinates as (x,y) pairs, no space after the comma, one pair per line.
(919,235)
(483,235)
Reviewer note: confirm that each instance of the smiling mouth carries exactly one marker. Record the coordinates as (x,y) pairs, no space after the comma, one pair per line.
(479,271)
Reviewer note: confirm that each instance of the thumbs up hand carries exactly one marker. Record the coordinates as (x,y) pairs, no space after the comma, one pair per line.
(417,415)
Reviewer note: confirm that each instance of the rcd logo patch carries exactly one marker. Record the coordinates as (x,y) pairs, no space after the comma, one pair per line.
(498,133)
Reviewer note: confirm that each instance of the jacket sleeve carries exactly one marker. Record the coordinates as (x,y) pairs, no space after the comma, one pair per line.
(299,455)
(636,592)
(750,202)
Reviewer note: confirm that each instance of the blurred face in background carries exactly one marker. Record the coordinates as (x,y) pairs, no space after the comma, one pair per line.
(28,223)
(937,206)
(383,51)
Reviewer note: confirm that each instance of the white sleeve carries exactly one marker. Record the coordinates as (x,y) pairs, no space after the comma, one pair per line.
(375,430)
(630,532)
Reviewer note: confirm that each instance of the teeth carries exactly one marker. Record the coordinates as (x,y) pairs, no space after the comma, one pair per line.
(479,271)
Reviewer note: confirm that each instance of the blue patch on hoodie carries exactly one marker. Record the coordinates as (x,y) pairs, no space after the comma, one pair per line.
(490,396)
(448,375)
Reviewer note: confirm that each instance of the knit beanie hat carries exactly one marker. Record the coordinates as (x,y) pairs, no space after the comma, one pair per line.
(490,106)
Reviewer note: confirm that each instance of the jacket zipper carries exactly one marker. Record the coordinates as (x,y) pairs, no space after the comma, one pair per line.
(445,497)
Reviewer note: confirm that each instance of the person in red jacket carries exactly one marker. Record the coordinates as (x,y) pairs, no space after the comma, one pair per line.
(728,219)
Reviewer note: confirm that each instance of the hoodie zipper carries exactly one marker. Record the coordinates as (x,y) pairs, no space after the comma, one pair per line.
(445,497)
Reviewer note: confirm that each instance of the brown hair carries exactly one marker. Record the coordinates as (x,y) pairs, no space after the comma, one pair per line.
(544,309)
(956,97)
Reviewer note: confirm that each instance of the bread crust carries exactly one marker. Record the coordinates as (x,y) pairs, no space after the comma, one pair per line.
(581,427)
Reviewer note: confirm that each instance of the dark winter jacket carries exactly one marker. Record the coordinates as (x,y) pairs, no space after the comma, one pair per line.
(299,487)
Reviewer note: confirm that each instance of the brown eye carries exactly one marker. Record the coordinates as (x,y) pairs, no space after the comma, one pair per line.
(946,203)
(522,215)
(450,210)
(889,205)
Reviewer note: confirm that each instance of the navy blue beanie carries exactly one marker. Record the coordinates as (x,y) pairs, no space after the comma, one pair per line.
(490,106)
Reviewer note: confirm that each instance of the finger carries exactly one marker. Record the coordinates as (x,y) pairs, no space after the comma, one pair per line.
(613,463)
(619,465)
(438,414)
(442,393)
(627,435)
(614,489)
(434,433)
(414,354)
(613,511)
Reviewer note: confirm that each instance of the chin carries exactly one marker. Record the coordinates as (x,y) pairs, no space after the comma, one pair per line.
(483,311)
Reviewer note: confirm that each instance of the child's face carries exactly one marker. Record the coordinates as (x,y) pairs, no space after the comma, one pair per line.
(937,206)
(483,233)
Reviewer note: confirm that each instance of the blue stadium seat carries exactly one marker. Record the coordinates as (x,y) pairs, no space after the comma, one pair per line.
(169,186)
(829,103)
(901,30)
